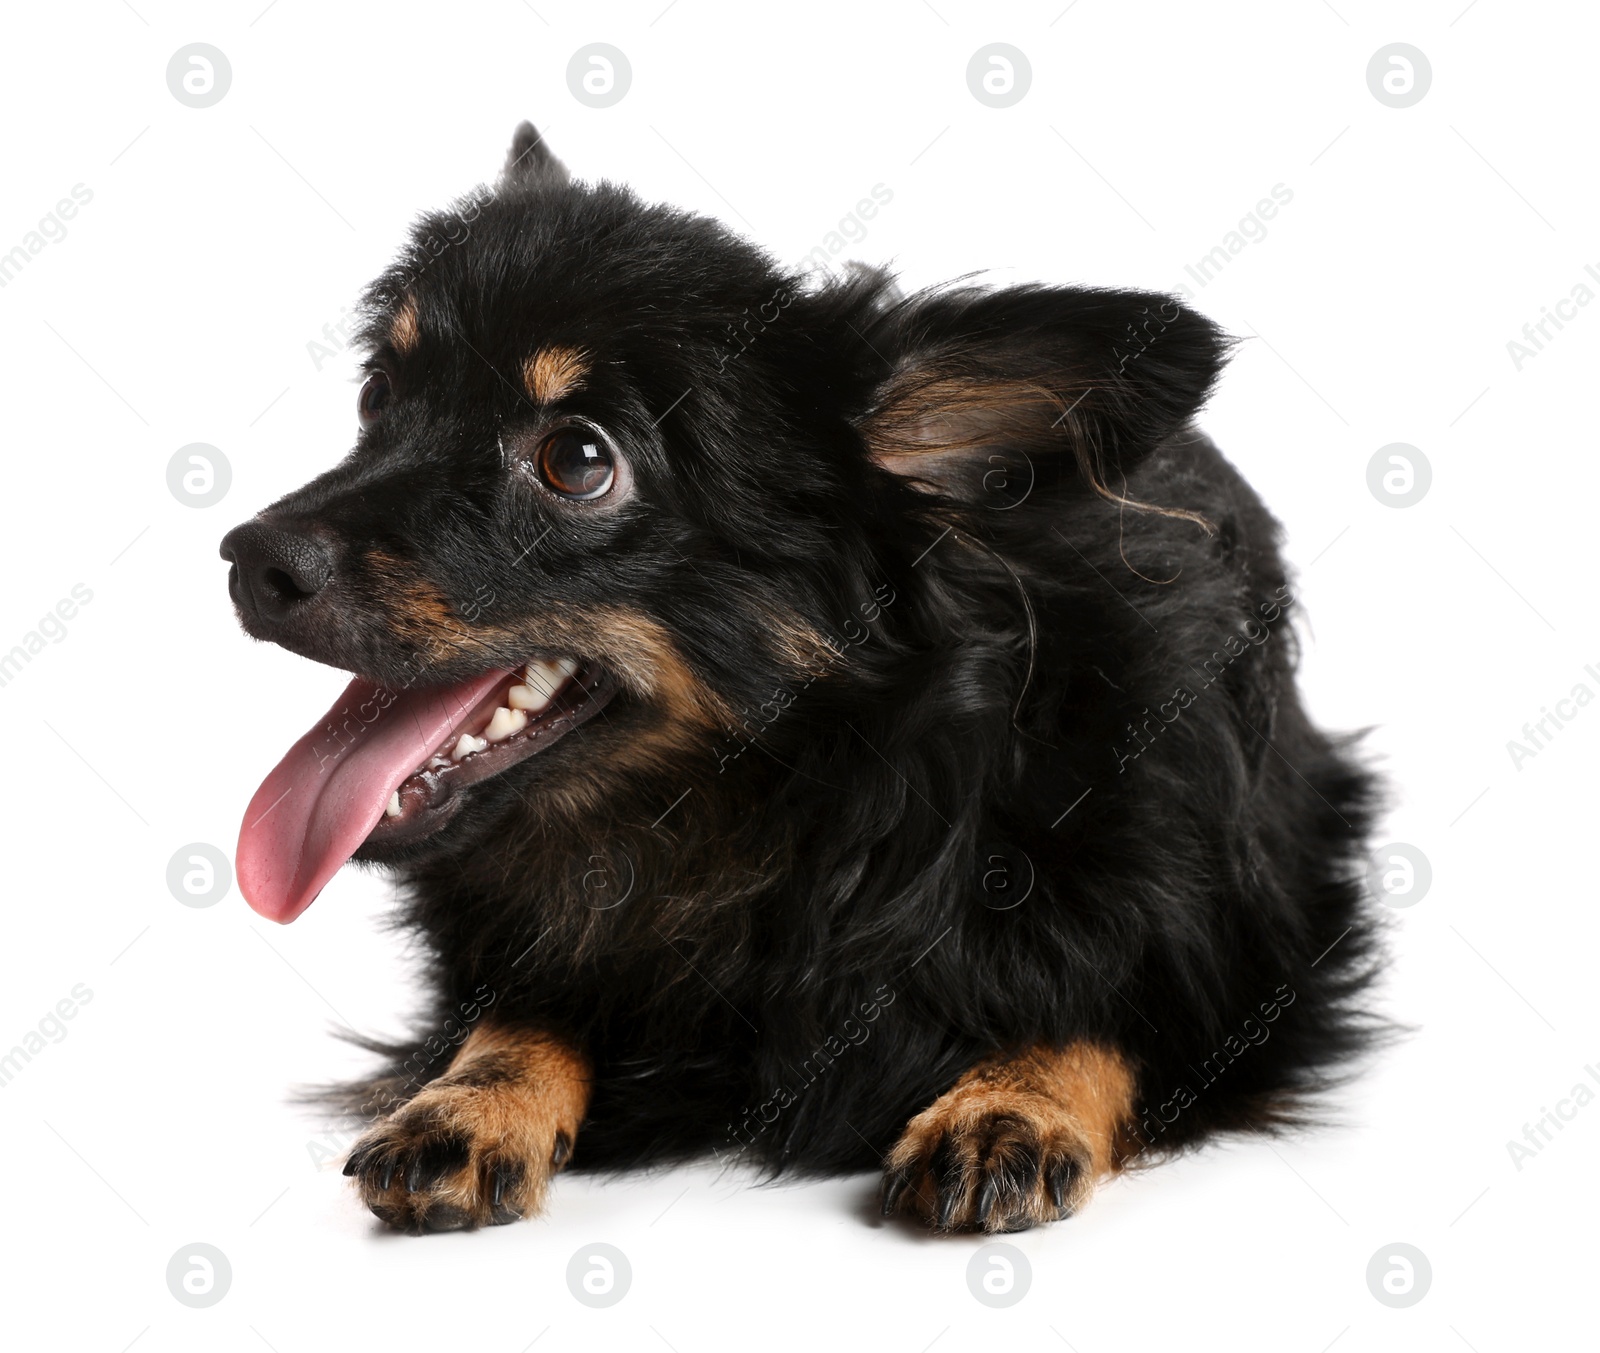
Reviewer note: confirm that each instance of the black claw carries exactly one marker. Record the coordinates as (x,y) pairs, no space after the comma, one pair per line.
(503,1179)
(988,1197)
(387,1177)
(415,1175)
(563,1149)
(948,1171)
(1060,1180)
(893,1186)
(359,1156)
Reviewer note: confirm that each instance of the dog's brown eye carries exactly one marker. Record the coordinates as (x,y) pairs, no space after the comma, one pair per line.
(576,463)
(373,399)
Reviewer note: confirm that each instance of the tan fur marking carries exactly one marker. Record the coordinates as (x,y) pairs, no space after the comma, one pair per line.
(512,1100)
(405,331)
(1068,1110)
(927,414)
(930,425)
(687,720)
(638,650)
(554,372)
(417,612)
(689,715)
(651,662)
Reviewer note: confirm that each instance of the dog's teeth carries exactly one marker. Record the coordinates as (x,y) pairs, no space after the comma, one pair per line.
(567,667)
(505,723)
(529,698)
(548,676)
(438,762)
(466,745)
(393,810)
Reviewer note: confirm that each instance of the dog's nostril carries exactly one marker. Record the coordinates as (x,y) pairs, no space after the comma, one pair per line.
(274,569)
(283,585)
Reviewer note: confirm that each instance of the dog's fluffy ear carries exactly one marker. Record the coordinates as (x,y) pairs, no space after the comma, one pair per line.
(530,160)
(1099,376)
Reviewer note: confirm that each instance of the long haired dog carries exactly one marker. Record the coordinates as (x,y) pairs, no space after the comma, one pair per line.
(821,727)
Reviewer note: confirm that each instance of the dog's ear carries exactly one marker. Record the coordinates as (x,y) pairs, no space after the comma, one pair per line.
(1101,377)
(530,160)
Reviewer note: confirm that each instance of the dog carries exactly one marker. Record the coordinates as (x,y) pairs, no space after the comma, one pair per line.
(812,726)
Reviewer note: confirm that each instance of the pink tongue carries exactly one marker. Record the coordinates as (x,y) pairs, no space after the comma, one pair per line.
(316,807)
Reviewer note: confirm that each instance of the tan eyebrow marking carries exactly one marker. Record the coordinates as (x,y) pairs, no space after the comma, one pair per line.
(404,331)
(553,372)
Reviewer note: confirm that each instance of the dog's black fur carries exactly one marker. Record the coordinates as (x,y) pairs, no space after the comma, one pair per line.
(1015,755)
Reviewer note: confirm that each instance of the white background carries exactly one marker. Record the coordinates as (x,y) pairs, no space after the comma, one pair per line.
(220,241)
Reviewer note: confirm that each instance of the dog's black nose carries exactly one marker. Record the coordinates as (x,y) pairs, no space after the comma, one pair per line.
(274,570)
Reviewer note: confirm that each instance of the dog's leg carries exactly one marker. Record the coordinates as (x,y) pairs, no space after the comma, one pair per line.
(1017,1140)
(477,1146)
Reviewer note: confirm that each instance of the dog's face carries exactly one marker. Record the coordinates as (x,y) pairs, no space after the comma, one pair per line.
(573,453)
(619,480)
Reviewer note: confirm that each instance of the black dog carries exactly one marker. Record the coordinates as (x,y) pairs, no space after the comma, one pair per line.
(821,727)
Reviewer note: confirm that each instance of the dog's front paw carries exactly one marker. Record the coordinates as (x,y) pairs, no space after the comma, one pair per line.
(1001,1170)
(475,1148)
(1012,1144)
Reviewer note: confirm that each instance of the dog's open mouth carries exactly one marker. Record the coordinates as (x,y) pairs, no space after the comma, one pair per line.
(388,767)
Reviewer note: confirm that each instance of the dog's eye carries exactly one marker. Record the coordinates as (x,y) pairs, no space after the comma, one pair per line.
(576,463)
(373,399)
